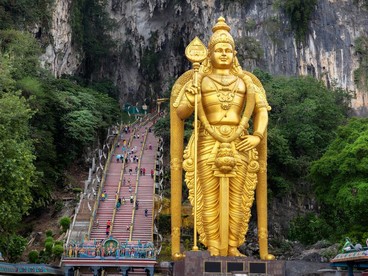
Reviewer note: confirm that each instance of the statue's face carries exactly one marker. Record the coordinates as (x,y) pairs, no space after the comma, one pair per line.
(222,56)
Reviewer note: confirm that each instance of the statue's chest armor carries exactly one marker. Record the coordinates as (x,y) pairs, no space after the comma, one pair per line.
(223,94)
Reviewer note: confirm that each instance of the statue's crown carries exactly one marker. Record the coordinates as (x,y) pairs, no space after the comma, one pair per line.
(221,34)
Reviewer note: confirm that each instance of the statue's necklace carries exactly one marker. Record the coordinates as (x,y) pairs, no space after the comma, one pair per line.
(225,95)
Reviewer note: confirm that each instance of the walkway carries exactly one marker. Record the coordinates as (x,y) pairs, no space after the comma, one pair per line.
(127,243)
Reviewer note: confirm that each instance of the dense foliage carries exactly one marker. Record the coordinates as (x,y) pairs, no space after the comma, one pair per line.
(21,14)
(302,123)
(91,26)
(361,74)
(341,184)
(45,125)
(300,13)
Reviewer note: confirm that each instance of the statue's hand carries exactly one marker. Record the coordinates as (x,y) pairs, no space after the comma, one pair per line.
(249,142)
(190,93)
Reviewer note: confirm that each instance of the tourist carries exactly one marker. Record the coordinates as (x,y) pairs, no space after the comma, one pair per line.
(146,212)
(152,173)
(118,204)
(103,195)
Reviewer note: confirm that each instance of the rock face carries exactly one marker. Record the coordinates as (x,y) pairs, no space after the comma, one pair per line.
(152,36)
(60,57)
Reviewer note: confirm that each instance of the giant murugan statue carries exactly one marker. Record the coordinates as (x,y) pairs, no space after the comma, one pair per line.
(225,162)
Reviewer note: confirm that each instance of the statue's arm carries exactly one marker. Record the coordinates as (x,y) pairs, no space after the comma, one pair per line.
(186,104)
(260,121)
(260,117)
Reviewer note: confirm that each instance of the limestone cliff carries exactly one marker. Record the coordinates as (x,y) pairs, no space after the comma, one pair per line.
(152,35)
(60,56)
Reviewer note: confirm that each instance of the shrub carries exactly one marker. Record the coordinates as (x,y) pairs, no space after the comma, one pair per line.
(59,243)
(57,250)
(33,256)
(48,247)
(49,233)
(65,223)
(309,229)
(59,206)
(300,13)
(49,239)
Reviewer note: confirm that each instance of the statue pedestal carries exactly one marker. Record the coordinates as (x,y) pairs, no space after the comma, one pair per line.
(198,263)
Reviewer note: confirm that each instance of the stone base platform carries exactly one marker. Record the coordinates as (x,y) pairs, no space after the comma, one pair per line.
(200,263)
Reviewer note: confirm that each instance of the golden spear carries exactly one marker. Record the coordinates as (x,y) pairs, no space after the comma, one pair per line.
(196,53)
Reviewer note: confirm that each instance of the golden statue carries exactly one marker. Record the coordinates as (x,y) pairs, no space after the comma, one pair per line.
(228,162)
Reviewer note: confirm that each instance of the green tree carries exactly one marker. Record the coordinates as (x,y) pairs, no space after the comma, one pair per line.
(21,14)
(80,126)
(7,83)
(12,246)
(83,115)
(340,178)
(302,122)
(23,52)
(17,172)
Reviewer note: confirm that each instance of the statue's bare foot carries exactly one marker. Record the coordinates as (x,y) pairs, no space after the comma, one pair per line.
(214,251)
(268,257)
(177,256)
(233,251)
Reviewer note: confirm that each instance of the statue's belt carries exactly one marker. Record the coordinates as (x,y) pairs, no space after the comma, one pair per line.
(223,130)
